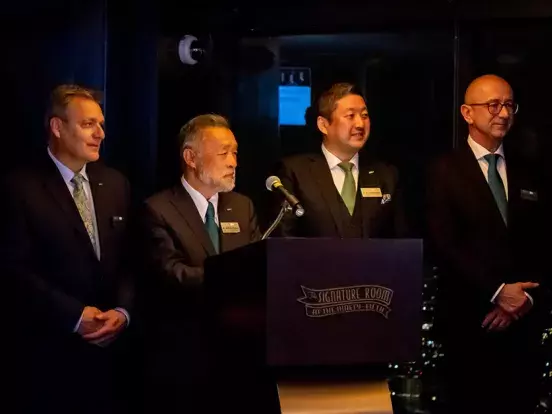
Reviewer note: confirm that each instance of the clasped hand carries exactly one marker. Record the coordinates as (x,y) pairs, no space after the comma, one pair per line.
(101,328)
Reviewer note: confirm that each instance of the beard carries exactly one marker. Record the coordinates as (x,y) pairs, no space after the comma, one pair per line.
(222,184)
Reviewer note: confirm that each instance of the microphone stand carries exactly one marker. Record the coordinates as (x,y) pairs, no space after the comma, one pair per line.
(286,208)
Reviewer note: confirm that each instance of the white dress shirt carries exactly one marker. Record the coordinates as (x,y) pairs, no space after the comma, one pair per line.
(338,174)
(479,151)
(200,201)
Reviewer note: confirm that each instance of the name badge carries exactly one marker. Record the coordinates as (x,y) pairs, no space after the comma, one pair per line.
(230,227)
(529,195)
(370,192)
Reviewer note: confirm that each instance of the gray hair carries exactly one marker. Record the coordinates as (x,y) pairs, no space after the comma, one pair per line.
(190,134)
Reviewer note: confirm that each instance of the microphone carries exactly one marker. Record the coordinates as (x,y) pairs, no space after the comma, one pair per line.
(273,183)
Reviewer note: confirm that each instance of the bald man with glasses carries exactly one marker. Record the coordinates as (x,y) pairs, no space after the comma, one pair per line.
(484,219)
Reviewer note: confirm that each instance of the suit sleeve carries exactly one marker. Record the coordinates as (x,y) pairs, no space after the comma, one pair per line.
(288,225)
(449,248)
(253,224)
(400,224)
(162,256)
(30,290)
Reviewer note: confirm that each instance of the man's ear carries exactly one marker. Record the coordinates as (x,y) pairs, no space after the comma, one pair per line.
(322,124)
(55,126)
(189,157)
(466,111)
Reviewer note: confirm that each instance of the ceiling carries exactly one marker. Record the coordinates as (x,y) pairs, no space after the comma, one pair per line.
(270,17)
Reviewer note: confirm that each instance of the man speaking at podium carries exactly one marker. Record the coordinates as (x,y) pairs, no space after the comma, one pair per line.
(344,194)
(199,217)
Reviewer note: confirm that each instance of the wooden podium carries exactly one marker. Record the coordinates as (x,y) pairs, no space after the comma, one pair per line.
(315,320)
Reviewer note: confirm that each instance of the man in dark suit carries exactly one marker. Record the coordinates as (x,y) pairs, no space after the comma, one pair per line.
(197,218)
(344,194)
(63,240)
(484,219)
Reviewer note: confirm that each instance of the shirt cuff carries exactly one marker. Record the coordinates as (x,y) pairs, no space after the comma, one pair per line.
(530,298)
(124,312)
(76,328)
(497,292)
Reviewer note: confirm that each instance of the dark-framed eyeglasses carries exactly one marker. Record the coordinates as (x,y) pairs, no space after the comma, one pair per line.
(494,107)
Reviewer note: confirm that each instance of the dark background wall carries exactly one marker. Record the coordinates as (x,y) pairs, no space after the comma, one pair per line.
(413,60)
(108,46)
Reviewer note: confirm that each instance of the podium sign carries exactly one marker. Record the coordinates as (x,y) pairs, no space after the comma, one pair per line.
(348,302)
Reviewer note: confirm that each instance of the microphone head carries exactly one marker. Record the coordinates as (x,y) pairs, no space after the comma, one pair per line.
(271,181)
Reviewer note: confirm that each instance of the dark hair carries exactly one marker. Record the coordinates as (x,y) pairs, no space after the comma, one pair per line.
(328,100)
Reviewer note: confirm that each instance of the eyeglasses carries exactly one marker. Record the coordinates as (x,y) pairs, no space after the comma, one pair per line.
(494,107)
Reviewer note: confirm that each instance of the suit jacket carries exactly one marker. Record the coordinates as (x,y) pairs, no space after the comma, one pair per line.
(309,178)
(475,250)
(52,271)
(176,245)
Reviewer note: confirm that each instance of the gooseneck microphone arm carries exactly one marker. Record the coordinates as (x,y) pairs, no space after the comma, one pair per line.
(286,208)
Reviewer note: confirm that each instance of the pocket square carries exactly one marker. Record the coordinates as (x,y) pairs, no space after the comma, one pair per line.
(529,195)
(385,198)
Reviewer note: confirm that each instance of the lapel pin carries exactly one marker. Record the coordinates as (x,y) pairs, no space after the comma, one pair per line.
(228,208)
(100,184)
(371,172)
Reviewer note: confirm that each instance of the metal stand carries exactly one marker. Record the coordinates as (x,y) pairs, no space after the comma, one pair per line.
(286,208)
(356,397)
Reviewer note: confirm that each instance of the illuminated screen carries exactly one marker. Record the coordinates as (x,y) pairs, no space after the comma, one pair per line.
(293,102)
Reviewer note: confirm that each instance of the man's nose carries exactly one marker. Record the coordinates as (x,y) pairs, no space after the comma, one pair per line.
(504,113)
(99,132)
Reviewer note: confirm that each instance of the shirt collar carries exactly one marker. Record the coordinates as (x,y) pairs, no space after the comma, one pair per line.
(199,200)
(333,161)
(65,171)
(480,151)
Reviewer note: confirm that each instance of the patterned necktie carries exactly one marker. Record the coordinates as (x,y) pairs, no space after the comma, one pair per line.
(82,205)
(497,186)
(348,192)
(211,226)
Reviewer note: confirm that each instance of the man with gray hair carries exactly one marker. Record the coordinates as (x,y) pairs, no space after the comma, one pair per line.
(199,217)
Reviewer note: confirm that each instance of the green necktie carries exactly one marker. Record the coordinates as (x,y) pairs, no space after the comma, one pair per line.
(84,210)
(348,192)
(211,226)
(497,186)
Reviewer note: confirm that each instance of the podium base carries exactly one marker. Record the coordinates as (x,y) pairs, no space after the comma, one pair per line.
(358,397)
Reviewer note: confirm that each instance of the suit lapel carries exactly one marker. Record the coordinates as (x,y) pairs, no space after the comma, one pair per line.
(55,185)
(518,179)
(323,177)
(187,209)
(478,190)
(368,178)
